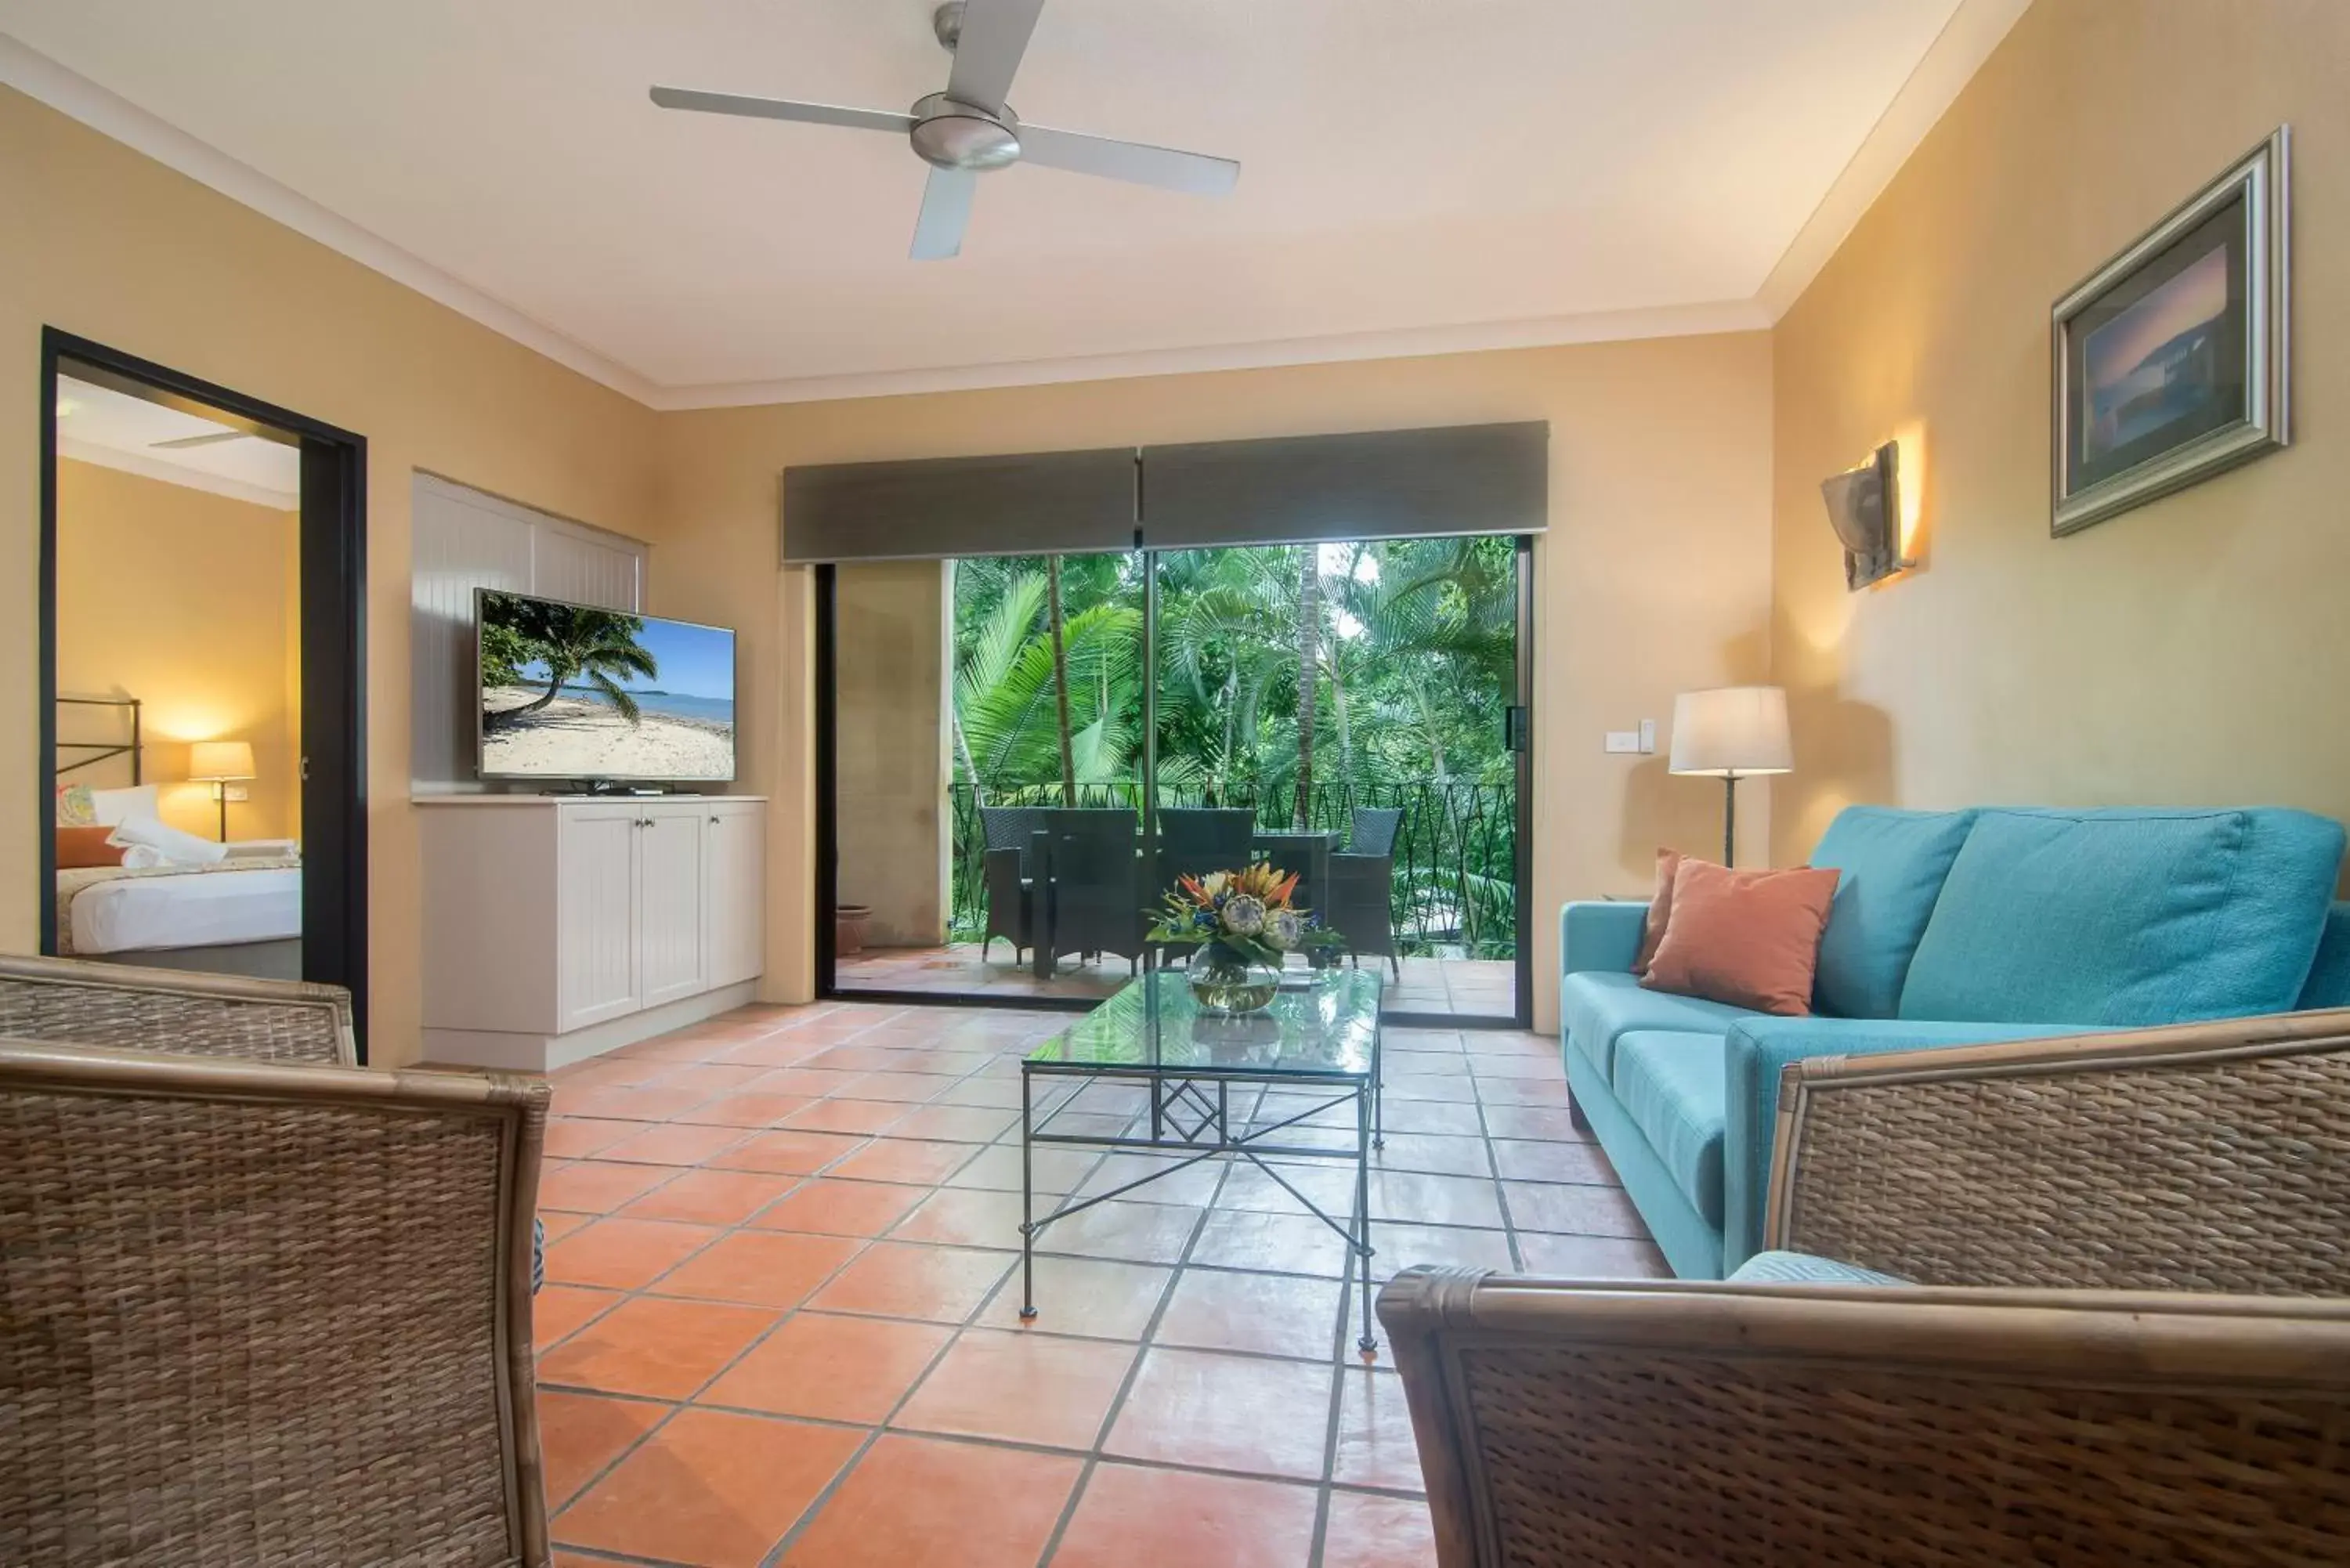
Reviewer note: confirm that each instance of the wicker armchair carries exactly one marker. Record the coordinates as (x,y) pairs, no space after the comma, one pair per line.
(258,1311)
(1980,1415)
(1091,891)
(1359,903)
(1011,875)
(2206,1157)
(71,1001)
(1599,1426)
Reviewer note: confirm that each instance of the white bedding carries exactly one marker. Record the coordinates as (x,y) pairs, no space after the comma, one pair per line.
(136,913)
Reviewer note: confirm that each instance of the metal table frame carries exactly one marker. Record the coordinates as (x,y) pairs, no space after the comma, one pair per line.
(1192,1113)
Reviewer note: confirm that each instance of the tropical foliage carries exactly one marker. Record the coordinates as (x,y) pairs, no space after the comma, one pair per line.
(1302,680)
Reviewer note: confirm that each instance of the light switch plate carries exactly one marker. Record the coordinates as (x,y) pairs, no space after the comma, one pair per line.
(1626,741)
(1647,734)
(238,792)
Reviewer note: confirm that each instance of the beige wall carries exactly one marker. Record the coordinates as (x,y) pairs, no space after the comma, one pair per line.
(180,598)
(890,752)
(2194,650)
(112,247)
(1654,577)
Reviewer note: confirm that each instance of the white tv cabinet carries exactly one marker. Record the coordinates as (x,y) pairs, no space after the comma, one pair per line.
(560,927)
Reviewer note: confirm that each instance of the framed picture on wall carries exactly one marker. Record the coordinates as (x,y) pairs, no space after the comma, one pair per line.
(2171,359)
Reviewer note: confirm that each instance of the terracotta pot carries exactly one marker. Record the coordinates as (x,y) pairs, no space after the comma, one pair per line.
(848,922)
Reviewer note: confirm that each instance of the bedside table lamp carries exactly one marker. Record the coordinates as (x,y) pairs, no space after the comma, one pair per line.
(1729,734)
(218,763)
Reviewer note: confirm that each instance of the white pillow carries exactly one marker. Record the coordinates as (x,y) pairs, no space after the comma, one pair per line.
(113,807)
(177,848)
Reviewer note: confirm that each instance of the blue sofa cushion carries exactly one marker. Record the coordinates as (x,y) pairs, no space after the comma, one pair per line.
(1673,1087)
(2124,919)
(1892,865)
(2328,985)
(1803,1268)
(1595,1008)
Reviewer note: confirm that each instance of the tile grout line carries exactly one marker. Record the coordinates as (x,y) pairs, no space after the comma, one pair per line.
(630,1450)
(1134,1369)
(996,1049)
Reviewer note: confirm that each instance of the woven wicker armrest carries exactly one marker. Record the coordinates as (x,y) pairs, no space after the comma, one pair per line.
(2207,1157)
(264,1313)
(79,1002)
(1567,1424)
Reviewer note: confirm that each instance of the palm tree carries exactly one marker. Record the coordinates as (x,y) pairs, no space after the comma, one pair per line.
(1309,659)
(573,642)
(1061,679)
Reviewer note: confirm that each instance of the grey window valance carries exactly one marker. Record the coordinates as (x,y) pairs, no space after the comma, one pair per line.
(1376,484)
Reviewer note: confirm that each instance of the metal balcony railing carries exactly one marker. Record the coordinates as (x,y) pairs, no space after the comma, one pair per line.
(1455,888)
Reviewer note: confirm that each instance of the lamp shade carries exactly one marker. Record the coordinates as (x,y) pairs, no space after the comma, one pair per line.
(1731,729)
(210,761)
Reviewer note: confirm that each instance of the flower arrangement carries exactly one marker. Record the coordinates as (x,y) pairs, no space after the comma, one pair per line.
(1244,924)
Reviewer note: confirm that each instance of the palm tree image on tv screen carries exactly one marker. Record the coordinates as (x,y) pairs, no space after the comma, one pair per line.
(573,693)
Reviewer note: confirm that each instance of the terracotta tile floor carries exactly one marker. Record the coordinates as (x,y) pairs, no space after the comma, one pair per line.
(781,1323)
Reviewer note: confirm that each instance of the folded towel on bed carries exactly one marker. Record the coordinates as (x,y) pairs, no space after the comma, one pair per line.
(166,845)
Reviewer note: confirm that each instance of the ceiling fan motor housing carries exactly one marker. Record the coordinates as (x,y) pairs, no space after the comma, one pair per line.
(951,135)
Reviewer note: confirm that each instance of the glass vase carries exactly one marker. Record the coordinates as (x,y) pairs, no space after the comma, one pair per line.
(1226,984)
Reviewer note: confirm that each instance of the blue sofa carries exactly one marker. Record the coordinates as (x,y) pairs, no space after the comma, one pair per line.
(1948,929)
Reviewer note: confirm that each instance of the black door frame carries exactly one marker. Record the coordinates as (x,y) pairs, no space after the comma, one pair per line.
(333,578)
(828,805)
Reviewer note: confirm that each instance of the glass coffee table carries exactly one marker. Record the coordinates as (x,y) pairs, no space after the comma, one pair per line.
(1244,1087)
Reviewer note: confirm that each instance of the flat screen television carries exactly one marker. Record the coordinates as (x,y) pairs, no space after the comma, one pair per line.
(574,692)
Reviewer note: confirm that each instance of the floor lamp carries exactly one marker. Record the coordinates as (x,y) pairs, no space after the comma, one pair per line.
(1729,734)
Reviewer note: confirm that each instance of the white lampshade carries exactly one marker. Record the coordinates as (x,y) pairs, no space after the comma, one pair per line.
(1731,729)
(211,762)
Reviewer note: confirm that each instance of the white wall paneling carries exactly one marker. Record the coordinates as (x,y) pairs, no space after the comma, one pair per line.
(463,539)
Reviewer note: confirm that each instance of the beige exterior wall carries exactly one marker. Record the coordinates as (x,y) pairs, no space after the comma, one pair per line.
(893,747)
(1653,578)
(2191,651)
(112,247)
(180,598)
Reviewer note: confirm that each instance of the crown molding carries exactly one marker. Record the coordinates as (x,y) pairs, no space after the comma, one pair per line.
(1949,62)
(1405,343)
(77,98)
(1973,31)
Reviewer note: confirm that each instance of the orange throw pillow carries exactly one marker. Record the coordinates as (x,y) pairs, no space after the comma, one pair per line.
(79,849)
(1750,938)
(1661,908)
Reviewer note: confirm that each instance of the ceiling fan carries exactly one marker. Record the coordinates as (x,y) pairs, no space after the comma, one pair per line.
(967,130)
(211,439)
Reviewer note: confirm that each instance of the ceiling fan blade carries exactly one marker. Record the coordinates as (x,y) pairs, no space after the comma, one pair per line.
(946,208)
(180,443)
(987,54)
(1134,161)
(781,109)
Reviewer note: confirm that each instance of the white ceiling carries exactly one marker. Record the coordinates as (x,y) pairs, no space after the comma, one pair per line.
(1428,173)
(114,430)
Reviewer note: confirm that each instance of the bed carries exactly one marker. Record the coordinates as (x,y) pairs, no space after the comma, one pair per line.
(209,917)
(240,915)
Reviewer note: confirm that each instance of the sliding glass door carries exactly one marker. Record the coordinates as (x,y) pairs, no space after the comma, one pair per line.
(1022,748)
(1357,697)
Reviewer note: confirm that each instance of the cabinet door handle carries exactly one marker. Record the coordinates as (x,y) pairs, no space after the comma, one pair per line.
(714,821)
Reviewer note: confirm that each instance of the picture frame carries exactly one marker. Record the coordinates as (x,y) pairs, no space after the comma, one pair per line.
(2170,361)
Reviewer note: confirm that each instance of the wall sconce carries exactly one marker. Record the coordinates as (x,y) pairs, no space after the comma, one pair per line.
(1864,509)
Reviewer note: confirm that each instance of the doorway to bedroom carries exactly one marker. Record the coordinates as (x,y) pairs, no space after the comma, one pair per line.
(202,557)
